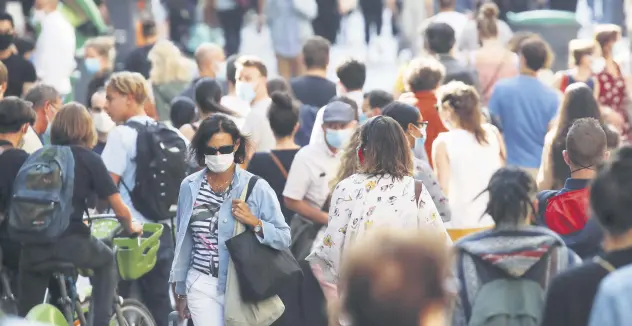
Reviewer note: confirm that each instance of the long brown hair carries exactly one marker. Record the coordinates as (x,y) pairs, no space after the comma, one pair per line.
(464,102)
(349,163)
(385,149)
(579,102)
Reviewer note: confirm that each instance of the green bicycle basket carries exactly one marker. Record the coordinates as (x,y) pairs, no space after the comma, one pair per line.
(135,257)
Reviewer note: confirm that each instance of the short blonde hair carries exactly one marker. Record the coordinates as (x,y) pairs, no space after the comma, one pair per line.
(104,46)
(129,83)
(73,126)
(168,64)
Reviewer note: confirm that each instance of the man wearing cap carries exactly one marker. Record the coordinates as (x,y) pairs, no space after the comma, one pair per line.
(314,166)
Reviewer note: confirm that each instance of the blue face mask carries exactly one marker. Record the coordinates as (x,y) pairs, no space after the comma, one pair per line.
(92,65)
(245,91)
(420,142)
(363,118)
(337,138)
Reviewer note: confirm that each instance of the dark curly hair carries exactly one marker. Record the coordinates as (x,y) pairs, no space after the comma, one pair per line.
(212,125)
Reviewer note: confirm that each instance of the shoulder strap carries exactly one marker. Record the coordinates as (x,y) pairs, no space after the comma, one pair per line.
(136,125)
(251,185)
(418,189)
(605,264)
(564,82)
(279,165)
(492,81)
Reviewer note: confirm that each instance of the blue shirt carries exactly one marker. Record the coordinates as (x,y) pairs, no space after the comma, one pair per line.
(613,301)
(524,107)
(263,204)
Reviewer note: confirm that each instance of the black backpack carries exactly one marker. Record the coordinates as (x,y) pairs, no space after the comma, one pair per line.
(160,168)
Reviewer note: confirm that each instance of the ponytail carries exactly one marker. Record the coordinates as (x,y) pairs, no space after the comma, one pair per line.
(511,193)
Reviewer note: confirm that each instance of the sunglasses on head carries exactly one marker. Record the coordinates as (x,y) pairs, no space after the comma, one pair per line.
(222,150)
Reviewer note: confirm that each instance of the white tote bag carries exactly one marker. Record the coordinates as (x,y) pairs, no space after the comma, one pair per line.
(239,313)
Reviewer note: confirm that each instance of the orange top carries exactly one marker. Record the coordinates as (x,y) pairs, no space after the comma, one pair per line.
(426,103)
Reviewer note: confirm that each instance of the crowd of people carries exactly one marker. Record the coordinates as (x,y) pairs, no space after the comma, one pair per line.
(483,189)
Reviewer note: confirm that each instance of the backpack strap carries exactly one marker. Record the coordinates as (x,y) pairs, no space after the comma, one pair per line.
(605,264)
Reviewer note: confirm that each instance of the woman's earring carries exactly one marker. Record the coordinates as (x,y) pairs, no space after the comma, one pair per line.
(360,156)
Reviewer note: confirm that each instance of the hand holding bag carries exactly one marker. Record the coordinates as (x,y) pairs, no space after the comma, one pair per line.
(236,311)
(262,271)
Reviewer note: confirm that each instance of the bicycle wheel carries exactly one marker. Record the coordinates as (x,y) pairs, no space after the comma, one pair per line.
(134,313)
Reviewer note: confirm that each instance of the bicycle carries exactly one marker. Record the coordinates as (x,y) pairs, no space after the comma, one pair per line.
(135,257)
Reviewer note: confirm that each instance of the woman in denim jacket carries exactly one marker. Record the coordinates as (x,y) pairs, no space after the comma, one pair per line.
(208,207)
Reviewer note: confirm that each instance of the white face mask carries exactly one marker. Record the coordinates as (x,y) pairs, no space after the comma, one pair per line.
(219,163)
(102,122)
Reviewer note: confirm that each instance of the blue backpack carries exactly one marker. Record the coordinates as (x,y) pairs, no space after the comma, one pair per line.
(42,196)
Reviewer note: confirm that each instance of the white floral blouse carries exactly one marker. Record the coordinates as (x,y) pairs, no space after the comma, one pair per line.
(362,202)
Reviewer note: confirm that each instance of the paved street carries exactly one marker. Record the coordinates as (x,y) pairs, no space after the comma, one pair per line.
(382,68)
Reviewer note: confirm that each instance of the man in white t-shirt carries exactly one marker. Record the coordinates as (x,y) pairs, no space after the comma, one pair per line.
(315,165)
(448,14)
(251,86)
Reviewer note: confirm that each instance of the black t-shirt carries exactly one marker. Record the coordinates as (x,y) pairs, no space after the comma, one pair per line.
(11,161)
(262,165)
(20,71)
(571,294)
(137,60)
(313,90)
(91,176)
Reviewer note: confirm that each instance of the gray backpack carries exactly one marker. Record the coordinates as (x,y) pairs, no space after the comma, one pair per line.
(508,302)
(41,205)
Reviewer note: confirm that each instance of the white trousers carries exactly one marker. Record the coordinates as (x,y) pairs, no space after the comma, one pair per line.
(205,304)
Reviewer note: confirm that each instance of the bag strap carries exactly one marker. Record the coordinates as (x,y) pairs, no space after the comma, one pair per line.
(605,264)
(492,81)
(279,165)
(245,194)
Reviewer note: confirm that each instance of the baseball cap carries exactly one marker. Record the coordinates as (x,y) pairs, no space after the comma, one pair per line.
(338,111)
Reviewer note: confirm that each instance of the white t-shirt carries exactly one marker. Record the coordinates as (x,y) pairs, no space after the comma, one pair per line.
(54,56)
(257,126)
(314,166)
(31,141)
(239,106)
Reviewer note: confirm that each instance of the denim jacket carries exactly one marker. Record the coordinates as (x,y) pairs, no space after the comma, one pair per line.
(263,204)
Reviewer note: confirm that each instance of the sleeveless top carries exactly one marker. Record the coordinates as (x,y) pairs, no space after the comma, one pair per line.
(612,93)
(569,79)
(471,167)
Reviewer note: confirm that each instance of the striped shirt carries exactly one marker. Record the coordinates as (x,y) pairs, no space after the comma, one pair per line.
(204,227)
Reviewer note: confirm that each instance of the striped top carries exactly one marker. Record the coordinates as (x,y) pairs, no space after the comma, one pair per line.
(204,227)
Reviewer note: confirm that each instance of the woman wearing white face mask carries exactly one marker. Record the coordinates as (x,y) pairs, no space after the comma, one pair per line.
(208,208)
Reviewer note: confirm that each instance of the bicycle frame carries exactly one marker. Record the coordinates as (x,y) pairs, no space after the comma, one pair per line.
(49,314)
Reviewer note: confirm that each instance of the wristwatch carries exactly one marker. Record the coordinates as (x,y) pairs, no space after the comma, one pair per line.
(259,227)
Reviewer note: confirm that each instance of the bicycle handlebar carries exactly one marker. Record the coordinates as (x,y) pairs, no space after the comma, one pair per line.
(117,230)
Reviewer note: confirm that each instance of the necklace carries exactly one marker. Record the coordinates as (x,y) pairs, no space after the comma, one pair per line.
(219,188)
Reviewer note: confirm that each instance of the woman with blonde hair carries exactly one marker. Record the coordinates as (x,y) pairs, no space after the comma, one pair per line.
(72,128)
(470,145)
(170,74)
(99,54)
